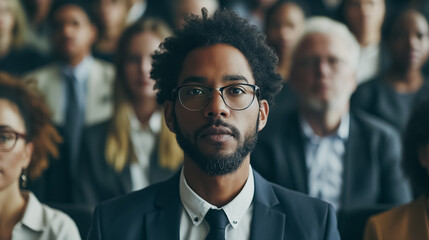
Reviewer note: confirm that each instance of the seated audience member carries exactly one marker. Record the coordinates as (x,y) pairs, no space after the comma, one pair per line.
(77,87)
(253,10)
(215,79)
(183,8)
(134,148)
(283,26)
(111,17)
(16,57)
(324,149)
(391,96)
(409,221)
(26,140)
(365,20)
(37,12)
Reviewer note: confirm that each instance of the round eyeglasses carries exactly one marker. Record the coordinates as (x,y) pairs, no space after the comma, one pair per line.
(236,96)
(8,139)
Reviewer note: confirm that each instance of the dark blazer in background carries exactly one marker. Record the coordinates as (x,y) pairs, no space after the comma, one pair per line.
(380,99)
(154,213)
(372,173)
(98,180)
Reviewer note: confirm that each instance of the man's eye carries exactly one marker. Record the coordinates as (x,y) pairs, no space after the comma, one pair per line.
(236,91)
(194,92)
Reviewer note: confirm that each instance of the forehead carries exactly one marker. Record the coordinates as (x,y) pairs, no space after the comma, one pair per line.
(68,12)
(146,42)
(411,21)
(216,64)
(288,11)
(320,44)
(10,116)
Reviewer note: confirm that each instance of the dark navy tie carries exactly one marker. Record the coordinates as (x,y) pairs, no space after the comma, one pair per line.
(217,221)
(74,118)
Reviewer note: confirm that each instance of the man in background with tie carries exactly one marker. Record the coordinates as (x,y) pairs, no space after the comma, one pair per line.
(77,87)
(216,79)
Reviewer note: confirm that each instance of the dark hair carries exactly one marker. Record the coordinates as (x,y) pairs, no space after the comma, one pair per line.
(37,121)
(224,27)
(82,4)
(274,8)
(416,136)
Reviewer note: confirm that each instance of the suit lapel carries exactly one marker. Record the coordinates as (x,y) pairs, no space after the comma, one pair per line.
(267,223)
(168,213)
(295,153)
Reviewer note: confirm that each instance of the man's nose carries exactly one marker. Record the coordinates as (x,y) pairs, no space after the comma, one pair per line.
(216,107)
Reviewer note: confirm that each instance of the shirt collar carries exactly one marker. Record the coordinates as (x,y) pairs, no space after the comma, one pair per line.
(342,131)
(196,207)
(33,216)
(80,71)
(154,122)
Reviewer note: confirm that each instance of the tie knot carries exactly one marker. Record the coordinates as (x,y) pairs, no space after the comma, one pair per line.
(216,219)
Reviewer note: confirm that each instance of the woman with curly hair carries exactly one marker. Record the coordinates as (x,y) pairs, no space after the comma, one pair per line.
(26,139)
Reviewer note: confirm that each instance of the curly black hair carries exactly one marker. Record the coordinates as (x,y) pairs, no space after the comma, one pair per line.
(223,27)
(416,136)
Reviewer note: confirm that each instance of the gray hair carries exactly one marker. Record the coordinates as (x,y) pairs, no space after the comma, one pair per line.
(327,26)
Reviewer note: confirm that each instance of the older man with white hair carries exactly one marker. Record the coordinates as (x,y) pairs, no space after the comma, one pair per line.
(324,148)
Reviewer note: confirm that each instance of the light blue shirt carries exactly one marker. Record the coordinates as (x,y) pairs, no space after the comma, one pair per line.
(324,158)
(81,72)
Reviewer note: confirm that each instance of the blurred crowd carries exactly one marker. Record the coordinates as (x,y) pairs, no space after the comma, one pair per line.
(354,71)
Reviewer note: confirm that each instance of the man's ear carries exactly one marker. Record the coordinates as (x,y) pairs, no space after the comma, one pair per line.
(169,115)
(424,156)
(264,109)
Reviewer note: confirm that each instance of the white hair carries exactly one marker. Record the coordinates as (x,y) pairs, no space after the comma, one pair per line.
(329,27)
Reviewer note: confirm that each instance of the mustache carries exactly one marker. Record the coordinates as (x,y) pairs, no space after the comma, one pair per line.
(218,123)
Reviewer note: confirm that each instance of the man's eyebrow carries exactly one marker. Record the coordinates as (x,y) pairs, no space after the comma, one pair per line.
(194,79)
(235,77)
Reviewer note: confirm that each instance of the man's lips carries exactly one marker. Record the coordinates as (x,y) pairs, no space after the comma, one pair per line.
(217,134)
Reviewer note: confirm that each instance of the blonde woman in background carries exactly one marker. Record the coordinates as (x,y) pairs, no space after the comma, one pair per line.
(26,140)
(16,57)
(135,148)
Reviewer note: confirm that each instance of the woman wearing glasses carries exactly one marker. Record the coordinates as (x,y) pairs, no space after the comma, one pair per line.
(26,140)
(134,148)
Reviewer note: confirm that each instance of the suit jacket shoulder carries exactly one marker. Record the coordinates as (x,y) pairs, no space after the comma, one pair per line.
(154,213)
(409,221)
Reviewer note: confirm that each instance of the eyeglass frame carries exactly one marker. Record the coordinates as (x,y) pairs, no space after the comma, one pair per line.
(18,136)
(256,92)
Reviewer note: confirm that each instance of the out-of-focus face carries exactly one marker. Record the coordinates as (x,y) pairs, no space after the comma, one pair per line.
(112,13)
(7,20)
(187,7)
(364,16)
(73,33)
(409,41)
(138,64)
(216,137)
(321,73)
(13,161)
(284,28)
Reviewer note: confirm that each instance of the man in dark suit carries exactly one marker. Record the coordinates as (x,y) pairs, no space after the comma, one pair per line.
(323,149)
(216,78)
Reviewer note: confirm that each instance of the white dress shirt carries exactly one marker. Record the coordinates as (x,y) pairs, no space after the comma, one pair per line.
(324,160)
(41,222)
(143,139)
(239,212)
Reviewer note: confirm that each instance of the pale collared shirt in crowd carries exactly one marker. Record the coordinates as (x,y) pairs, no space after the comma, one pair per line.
(143,140)
(325,161)
(369,63)
(81,73)
(239,212)
(41,222)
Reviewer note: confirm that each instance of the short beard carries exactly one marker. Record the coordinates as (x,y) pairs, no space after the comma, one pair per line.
(217,165)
